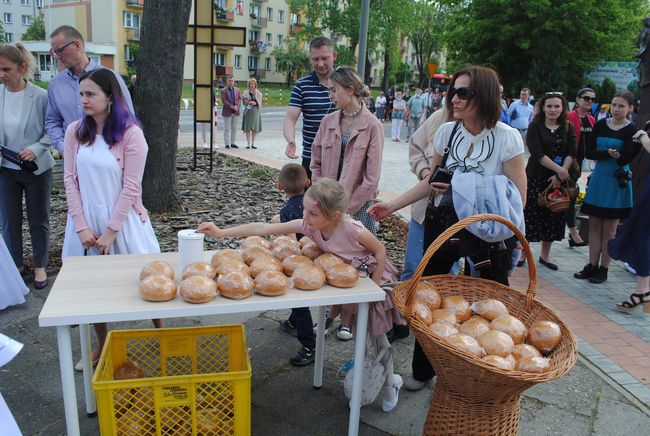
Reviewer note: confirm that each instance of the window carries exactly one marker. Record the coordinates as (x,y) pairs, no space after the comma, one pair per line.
(24,2)
(295,19)
(9,37)
(7,18)
(131,20)
(253,35)
(280,40)
(127,53)
(269,14)
(39,3)
(269,38)
(237,61)
(252,63)
(44,62)
(220,59)
(220,4)
(267,64)
(6,2)
(255,10)
(280,16)
(26,20)
(96,59)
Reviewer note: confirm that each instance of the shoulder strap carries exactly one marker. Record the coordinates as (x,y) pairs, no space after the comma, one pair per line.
(443,163)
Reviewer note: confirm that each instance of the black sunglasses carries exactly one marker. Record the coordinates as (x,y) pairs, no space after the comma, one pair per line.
(464,93)
(588,98)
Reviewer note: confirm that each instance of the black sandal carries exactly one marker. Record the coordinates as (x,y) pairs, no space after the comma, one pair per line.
(635,300)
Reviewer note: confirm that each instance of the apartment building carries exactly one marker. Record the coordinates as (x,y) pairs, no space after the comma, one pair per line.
(17,15)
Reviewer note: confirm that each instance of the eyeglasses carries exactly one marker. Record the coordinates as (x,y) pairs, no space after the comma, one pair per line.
(554,94)
(588,98)
(59,51)
(463,93)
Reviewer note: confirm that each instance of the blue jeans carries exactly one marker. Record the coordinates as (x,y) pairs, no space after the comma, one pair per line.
(414,249)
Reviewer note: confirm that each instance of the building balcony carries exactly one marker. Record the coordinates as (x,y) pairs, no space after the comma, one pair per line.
(223,47)
(139,3)
(259,1)
(295,28)
(133,34)
(222,71)
(223,15)
(259,22)
(257,47)
(259,73)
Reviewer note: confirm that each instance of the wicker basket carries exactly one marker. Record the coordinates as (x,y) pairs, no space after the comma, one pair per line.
(557,205)
(470,396)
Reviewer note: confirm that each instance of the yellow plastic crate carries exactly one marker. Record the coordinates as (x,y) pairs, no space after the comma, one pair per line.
(197,382)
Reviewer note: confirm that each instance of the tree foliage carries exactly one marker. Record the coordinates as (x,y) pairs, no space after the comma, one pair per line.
(426,33)
(543,44)
(293,61)
(35,31)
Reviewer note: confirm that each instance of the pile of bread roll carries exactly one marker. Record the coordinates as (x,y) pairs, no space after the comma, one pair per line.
(261,266)
(487,331)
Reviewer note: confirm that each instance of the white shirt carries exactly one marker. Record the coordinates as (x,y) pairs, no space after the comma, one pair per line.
(381,101)
(520,114)
(12,114)
(492,147)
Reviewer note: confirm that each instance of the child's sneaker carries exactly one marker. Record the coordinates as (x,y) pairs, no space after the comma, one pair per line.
(328,324)
(391,394)
(289,328)
(344,333)
(303,357)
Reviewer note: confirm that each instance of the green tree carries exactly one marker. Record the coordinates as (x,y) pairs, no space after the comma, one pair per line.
(35,31)
(543,44)
(403,75)
(425,33)
(134,49)
(293,61)
(345,56)
(607,90)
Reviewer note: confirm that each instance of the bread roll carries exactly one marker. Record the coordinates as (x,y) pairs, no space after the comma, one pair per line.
(281,252)
(445,315)
(144,398)
(510,325)
(157,287)
(499,362)
(224,255)
(467,344)
(423,312)
(327,260)
(135,422)
(459,305)
(170,417)
(157,267)
(522,350)
(233,265)
(265,263)
(533,364)
(311,250)
(475,326)
(198,289)
(489,308)
(496,343)
(127,371)
(252,253)
(284,240)
(235,285)
(308,278)
(544,335)
(255,240)
(304,241)
(211,421)
(442,329)
(427,294)
(271,283)
(289,264)
(342,275)
(199,269)
(511,360)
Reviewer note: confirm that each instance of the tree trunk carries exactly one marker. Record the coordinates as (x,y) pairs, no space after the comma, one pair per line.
(160,81)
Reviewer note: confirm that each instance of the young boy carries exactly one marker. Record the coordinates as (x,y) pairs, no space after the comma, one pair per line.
(293,181)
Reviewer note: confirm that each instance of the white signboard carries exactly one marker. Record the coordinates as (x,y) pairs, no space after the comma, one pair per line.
(621,73)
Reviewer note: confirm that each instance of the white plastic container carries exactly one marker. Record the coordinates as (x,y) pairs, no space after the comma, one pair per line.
(190,248)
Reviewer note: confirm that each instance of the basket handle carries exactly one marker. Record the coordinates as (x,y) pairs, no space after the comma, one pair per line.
(460,225)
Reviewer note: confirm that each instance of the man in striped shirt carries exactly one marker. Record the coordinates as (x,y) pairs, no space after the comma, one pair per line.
(310,96)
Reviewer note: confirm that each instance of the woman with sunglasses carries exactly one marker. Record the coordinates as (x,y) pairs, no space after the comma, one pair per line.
(480,143)
(583,123)
(551,141)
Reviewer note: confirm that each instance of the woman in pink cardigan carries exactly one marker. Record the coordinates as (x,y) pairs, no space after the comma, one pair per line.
(105,154)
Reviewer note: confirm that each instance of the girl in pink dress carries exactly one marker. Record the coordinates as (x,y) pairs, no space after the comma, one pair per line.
(327,224)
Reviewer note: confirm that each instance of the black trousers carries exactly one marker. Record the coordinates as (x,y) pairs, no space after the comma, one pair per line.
(13,184)
(422,369)
(306,161)
(301,318)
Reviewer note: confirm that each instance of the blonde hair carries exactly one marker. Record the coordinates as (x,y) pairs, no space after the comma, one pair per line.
(331,197)
(348,78)
(253,80)
(19,55)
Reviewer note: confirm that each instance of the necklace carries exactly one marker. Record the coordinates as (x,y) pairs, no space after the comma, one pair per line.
(351,114)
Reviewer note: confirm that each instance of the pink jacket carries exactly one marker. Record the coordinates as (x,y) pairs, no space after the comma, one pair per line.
(131,155)
(227,101)
(362,159)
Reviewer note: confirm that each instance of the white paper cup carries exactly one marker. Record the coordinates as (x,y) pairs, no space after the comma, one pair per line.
(190,248)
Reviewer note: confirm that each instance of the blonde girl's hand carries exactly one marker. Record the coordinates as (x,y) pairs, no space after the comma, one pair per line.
(87,238)
(209,228)
(380,210)
(105,241)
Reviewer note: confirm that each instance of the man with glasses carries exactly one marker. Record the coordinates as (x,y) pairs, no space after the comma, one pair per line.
(64,102)
(520,113)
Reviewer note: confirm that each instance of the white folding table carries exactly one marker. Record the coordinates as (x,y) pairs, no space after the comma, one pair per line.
(98,289)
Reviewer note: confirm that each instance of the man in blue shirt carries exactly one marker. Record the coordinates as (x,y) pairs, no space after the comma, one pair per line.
(520,113)
(64,102)
(310,96)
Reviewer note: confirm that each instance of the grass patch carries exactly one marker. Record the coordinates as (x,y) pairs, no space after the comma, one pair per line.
(261,173)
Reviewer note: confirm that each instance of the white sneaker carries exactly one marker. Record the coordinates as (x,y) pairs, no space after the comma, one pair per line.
(344,333)
(205,145)
(391,394)
(215,146)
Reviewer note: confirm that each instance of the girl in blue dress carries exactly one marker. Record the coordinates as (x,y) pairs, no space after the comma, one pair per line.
(609,190)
